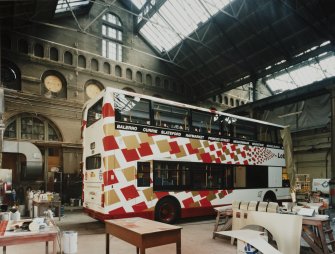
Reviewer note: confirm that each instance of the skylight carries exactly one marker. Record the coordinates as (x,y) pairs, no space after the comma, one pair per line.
(314,69)
(176,20)
(63,5)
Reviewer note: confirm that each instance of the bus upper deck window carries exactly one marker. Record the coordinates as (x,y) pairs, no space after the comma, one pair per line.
(94,113)
(132,109)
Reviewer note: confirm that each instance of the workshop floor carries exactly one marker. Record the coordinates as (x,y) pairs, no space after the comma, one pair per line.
(196,238)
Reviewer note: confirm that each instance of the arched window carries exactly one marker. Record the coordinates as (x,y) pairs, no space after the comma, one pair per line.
(118,71)
(10,75)
(107,68)
(139,77)
(128,89)
(237,103)
(226,100)
(23,46)
(38,50)
(232,102)
(166,84)
(94,65)
(158,81)
(129,74)
(112,37)
(68,58)
(30,127)
(81,61)
(54,54)
(174,86)
(220,98)
(148,80)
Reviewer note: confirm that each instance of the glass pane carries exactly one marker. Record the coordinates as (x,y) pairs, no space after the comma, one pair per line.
(132,109)
(52,135)
(171,117)
(206,122)
(93,162)
(143,174)
(94,113)
(10,131)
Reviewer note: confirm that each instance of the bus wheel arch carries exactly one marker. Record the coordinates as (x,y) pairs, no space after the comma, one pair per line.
(270,196)
(167,210)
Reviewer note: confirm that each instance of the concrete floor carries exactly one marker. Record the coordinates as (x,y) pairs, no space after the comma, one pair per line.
(196,238)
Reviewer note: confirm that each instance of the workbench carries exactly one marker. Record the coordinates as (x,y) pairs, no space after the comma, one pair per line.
(8,237)
(143,233)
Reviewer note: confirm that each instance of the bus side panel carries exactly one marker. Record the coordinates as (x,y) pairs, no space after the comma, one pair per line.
(132,146)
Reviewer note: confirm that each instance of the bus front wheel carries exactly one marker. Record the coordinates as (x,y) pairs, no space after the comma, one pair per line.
(167,211)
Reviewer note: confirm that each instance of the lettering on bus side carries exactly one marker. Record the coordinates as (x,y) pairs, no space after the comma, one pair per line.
(281,156)
(126,127)
(150,130)
(158,131)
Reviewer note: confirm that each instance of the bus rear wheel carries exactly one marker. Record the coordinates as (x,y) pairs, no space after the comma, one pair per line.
(167,211)
(270,197)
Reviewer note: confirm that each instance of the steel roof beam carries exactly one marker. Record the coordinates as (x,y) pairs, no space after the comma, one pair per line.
(265,72)
(153,10)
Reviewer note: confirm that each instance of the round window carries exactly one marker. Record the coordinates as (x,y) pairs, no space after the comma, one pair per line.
(53,83)
(92,90)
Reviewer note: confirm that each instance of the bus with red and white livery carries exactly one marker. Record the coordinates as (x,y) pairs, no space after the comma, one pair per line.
(159,159)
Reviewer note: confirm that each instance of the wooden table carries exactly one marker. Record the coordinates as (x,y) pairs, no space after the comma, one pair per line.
(47,204)
(13,238)
(143,233)
(314,231)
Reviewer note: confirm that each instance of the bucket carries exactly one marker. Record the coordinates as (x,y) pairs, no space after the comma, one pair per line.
(70,242)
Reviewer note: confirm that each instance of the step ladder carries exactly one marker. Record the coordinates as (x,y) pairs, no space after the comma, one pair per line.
(327,238)
(319,235)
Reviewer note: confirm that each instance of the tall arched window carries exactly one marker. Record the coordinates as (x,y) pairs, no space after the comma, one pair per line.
(112,37)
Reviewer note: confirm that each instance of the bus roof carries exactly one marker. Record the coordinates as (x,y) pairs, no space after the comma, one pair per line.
(173,103)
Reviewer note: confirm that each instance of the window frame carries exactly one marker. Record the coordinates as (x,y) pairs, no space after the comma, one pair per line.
(112,45)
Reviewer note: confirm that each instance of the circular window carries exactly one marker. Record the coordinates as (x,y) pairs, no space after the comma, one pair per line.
(53,83)
(92,90)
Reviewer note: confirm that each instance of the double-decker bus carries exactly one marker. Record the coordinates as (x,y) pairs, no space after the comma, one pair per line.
(154,158)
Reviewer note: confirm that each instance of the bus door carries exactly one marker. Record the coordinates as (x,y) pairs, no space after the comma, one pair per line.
(143,184)
(93,179)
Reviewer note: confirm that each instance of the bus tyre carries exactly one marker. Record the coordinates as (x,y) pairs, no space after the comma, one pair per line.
(167,211)
(270,197)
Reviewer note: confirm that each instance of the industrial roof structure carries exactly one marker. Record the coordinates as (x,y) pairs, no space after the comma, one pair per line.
(217,45)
